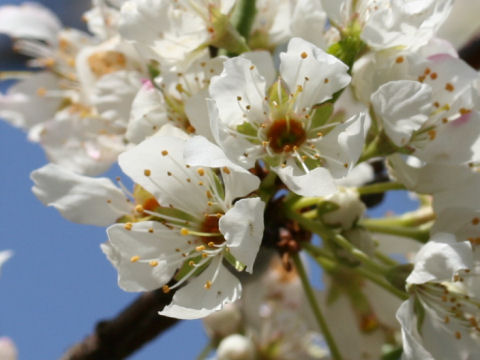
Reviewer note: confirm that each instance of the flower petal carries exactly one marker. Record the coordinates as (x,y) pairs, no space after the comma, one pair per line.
(242,227)
(195,301)
(81,199)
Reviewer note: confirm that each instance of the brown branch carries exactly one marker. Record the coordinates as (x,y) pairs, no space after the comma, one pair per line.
(470,53)
(121,336)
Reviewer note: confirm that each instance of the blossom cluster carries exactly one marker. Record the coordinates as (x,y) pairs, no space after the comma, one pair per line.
(248,129)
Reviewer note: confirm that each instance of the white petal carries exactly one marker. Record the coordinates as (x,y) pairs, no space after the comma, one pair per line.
(403,107)
(318,182)
(167,177)
(124,244)
(238,182)
(81,199)
(23,106)
(405,23)
(4,256)
(413,348)
(242,227)
(325,73)
(148,113)
(30,20)
(441,259)
(113,95)
(238,86)
(195,301)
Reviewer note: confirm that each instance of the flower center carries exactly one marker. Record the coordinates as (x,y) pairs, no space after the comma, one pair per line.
(210,225)
(284,135)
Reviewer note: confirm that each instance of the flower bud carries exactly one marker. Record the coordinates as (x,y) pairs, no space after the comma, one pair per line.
(236,347)
(350,208)
(223,323)
(8,351)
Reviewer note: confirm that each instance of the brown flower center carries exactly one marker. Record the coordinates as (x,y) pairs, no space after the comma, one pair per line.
(284,135)
(210,225)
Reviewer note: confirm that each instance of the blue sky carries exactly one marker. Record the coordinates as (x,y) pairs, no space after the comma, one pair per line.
(59,284)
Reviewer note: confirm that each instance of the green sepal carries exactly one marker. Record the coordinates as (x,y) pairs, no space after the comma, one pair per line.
(420,312)
(321,115)
(278,99)
(234,262)
(186,268)
(349,48)
(224,34)
(246,128)
(326,207)
(397,275)
(393,354)
(153,69)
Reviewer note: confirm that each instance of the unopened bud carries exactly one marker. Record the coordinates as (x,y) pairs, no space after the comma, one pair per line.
(350,209)
(236,347)
(223,323)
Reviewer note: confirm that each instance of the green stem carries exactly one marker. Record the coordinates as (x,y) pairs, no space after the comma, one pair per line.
(205,351)
(385,258)
(421,235)
(310,225)
(380,188)
(306,202)
(320,256)
(380,282)
(414,218)
(316,309)
(267,187)
(243,17)
(359,254)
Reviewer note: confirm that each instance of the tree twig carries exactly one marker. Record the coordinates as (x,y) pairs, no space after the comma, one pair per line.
(119,337)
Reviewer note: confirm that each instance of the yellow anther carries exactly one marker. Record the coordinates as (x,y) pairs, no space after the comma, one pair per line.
(134,259)
(200,183)
(179,88)
(303,55)
(164,152)
(147,172)
(211,244)
(449,87)
(209,194)
(165,289)
(150,230)
(41,91)
(191,263)
(128,226)
(201,172)
(184,231)
(139,209)
(208,285)
(226,170)
(476,221)
(209,203)
(153,263)
(200,248)
(399,59)
(204,255)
